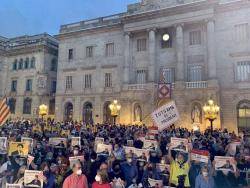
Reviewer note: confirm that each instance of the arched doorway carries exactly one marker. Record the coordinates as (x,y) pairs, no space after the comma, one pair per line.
(68,111)
(107,118)
(137,113)
(243,117)
(87,113)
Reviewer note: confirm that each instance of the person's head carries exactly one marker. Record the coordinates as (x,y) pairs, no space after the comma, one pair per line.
(77,168)
(129,158)
(93,156)
(102,177)
(104,166)
(45,167)
(116,166)
(204,171)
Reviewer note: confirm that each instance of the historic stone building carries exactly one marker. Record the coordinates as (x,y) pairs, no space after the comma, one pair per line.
(122,56)
(28,66)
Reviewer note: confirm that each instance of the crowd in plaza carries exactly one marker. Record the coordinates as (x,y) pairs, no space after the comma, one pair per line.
(126,161)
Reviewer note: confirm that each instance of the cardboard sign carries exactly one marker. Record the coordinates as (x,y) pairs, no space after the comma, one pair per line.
(29,141)
(75,141)
(165,116)
(57,141)
(179,144)
(33,178)
(149,144)
(99,140)
(225,163)
(3,145)
(104,148)
(18,149)
(200,155)
(73,160)
(155,183)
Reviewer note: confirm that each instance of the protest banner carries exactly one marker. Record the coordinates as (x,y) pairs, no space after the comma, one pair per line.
(152,132)
(3,145)
(179,144)
(58,142)
(18,149)
(149,144)
(33,178)
(200,156)
(155,183)
(225,163)
(13,185)
(104,148)
(29,141)
(162,167)
(165,116)
(75,141)
(73,160)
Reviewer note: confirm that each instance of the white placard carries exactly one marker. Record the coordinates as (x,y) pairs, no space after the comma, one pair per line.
(155,183)
(33,178)
(225,163)
(165,116)
(103,148)
(179,144)
(75,141)
(3,145)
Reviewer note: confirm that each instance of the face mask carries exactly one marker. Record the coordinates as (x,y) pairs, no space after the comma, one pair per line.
(79,172)
(75,152)
(205,174)
(97,178)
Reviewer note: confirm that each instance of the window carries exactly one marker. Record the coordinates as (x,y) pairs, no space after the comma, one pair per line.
(26,63)
(168,75)
(110,50)
(14,65)
(12,105)
(68,82)
(20,65)
(52,104)
(13,85)
(141,45)
(243,117)
(27,106)
(108,80)
(89,51)
(87,81)
(53,65)
(141,76)
(195,37)
(195,73)
(53,87)
(29,85)
(32,62)
(1,66)
(243,71)
(70,55)
(241,32)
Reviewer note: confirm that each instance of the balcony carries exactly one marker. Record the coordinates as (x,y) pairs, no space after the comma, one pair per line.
(196,85)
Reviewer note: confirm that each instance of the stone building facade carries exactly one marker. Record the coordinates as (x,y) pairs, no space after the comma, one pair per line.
(28,66)
(122,56)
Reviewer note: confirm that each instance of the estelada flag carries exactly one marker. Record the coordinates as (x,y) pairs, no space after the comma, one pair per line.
(4,110)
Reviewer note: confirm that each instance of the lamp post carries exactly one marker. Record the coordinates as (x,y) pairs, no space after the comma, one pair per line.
(43,110)
(211,112)
(114,108)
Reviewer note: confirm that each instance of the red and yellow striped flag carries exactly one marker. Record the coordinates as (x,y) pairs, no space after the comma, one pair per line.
(4,110)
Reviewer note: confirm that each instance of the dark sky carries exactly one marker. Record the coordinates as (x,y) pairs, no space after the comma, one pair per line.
(20,17)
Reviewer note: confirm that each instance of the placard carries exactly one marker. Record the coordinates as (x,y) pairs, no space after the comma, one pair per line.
(165,116)
(3,145)
(200,155)
(75,141)
(18,149)
(99,140)
(179,144)
(141,153)
(33,178)
(155,183)
(130,143)
(149,144)
(56,142)
(29,141)
(13,185)
(162,167)
(73,160)
(104,148)
(225,163)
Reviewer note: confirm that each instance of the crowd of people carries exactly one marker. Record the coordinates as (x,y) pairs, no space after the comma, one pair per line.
(118,168)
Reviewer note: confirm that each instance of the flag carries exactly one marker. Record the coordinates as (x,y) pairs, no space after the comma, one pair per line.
(4,110)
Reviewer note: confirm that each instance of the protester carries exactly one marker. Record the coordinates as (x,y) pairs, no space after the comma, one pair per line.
(101,180)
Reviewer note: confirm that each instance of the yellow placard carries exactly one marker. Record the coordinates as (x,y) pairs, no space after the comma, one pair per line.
(18,148)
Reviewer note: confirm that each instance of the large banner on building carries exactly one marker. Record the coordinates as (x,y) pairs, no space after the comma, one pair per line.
(166,115)
(164,91)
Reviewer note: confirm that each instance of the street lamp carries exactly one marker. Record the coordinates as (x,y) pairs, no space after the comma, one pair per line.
(43,110)
(211,112)
(114,108)
(165,37)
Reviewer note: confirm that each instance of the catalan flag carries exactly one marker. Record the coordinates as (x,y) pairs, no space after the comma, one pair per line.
(4,110)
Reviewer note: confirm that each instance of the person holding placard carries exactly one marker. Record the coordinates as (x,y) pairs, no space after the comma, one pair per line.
(204,179)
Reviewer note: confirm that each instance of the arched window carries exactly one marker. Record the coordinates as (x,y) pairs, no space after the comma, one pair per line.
(20,65)
(137,113)
(107,118)
(27,106)
(244,116)
(52,104)
(14,67)
(33,63)
(53,65)
(26,63)
(68,113)
(12,105)
(87,112)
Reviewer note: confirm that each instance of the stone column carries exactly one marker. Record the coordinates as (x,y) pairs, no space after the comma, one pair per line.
(152,56)
(127,58)
(211,49)
(180,52)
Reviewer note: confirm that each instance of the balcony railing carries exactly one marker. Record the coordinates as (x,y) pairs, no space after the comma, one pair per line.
(196,85)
